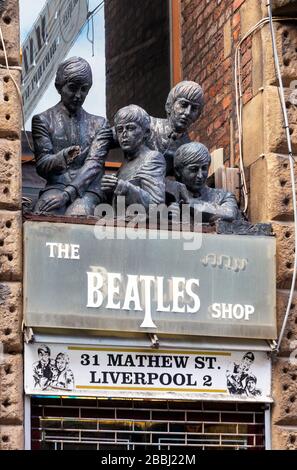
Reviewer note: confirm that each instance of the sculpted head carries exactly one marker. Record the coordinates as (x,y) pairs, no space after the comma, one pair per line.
(132,125)
(191,165)
(184,105)
(73,82)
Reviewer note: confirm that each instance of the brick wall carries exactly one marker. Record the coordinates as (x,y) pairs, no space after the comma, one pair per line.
(210,31)
(137,55)
(11,362)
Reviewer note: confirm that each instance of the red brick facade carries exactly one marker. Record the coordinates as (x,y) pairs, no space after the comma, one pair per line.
(207,59)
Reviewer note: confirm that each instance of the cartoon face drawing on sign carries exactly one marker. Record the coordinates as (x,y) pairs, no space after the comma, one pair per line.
(43,368)
(240,381)
(51,373)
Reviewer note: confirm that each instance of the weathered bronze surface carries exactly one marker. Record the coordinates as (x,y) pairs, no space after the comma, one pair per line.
(191,164)
(183,107)
(141,179)
(62,138)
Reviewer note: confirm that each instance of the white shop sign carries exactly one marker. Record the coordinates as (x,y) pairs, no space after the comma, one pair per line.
(79,370)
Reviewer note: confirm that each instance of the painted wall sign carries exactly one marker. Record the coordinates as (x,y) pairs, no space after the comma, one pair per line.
(47,44)
(76,279)
(61,369)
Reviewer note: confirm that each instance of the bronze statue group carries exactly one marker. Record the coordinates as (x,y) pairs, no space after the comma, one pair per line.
(161,164)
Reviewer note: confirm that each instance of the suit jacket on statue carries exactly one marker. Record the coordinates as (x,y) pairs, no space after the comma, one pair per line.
(56,129)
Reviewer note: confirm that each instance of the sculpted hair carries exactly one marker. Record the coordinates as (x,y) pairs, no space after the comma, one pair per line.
(133,113)
(76,69)
(189,90)
(194,152)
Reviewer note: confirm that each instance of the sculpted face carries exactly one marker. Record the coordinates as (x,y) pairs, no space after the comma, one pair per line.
(130,136)
(73,94)
(194,176)
(183,113)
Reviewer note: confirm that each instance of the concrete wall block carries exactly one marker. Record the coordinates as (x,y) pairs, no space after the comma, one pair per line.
(10,105)
(11,316)
(10,246)
(271,189)
(274,136)
(284,391)
(289,342)
(284,253)
(284,438)
(253,130)
(10,25)
(286,40)
(11,389)
(10,174)
(11,437)
(250,14)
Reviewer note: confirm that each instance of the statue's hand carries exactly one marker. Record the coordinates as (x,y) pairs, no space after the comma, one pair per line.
(55,201)
(109,183)
(71,153)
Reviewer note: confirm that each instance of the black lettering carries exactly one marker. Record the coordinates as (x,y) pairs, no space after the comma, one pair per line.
(93,377)
(114,377)
(207,381)
(152,376)
(179,379)
(85,359)
(199,362)
(189,381)
(181,361)
(115,360)
(127,378)
(165,379)
(211,361)
(140,378)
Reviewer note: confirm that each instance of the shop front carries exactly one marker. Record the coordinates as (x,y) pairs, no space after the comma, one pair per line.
(137,342)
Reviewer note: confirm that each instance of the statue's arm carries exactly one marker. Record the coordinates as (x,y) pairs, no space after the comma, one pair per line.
(95,160)
(47,162)
(148,187)
(226,210)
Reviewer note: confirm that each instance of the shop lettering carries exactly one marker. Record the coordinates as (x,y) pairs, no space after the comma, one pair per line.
(142,378)
(63,250)
(231,311)
(132,292)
